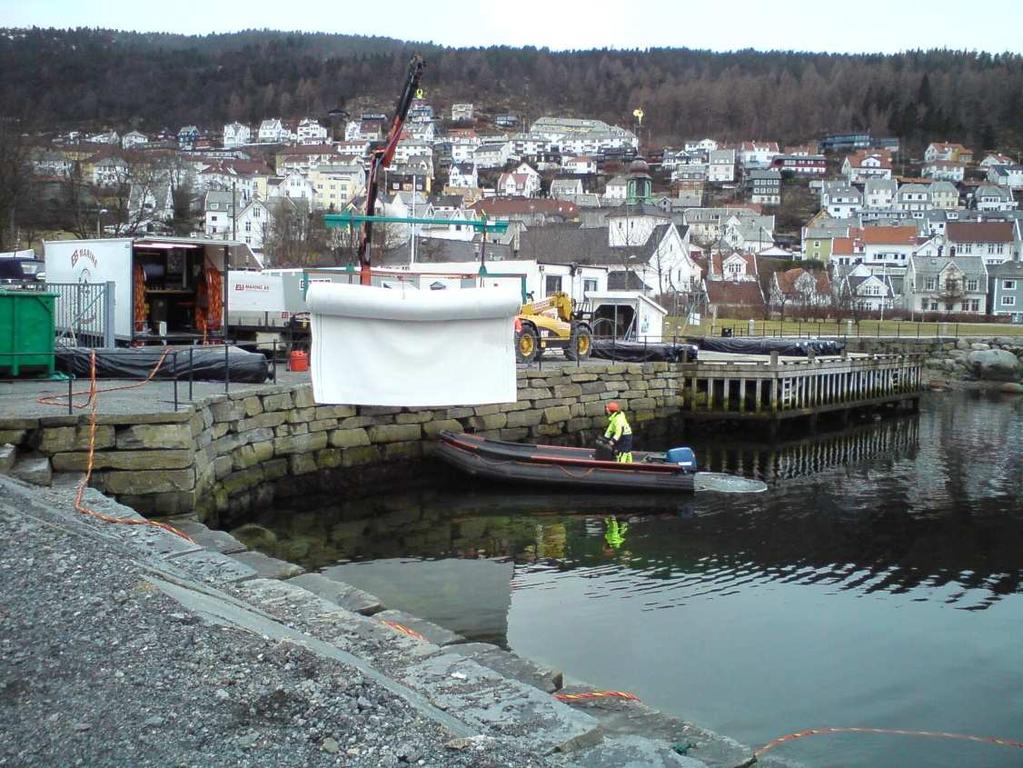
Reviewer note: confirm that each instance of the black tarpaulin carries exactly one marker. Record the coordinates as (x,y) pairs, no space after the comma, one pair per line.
(752,345)
(206,363)
(642,352)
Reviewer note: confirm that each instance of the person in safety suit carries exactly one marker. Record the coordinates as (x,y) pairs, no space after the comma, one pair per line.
(618,432)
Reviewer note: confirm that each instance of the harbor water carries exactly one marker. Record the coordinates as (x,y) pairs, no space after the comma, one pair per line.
(875,584)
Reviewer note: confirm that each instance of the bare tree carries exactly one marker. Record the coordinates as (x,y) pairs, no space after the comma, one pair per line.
(14,182)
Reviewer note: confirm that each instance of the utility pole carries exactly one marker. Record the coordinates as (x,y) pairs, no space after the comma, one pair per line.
(412,245)
(234,211)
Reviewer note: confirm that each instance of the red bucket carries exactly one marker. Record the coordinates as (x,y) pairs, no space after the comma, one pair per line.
(298,361)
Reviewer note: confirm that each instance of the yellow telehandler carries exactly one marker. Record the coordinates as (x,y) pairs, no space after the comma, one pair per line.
(551,324)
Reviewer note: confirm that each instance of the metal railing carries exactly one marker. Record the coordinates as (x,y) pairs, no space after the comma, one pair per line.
(84,314)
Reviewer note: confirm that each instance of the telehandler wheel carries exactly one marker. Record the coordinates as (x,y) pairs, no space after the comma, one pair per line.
(527,344)
(580,345)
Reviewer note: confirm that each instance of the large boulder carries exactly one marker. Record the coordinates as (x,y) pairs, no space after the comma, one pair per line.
(994,365)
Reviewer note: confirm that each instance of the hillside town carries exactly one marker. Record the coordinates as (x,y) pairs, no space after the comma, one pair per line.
(848,225)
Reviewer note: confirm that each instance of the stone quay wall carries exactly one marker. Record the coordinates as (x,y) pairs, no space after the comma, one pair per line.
(997,358)
(230,453)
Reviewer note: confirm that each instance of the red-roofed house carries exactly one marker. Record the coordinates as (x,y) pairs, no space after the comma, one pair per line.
(725,297)
(736,267)
(943,150)
(994,241)
(799,288)
(944,170)
(867,164)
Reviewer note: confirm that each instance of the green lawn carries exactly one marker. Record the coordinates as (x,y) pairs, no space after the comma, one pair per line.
(898,328)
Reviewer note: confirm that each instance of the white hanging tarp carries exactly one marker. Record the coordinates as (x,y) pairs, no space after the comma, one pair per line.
(379,346)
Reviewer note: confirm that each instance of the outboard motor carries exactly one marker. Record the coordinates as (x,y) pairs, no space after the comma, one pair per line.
(683,457)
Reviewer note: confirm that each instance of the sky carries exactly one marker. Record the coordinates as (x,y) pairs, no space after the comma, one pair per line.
(870,26)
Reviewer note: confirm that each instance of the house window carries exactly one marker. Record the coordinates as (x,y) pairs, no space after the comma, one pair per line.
(923,304)
(1008,301)
(248,226)
(934,306)
(1009,285)
(930,284)
(589,285)
(552,284)
(255,213)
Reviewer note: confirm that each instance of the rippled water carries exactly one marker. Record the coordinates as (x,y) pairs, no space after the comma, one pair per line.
(876,583)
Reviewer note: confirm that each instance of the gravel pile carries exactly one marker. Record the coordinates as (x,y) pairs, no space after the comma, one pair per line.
(99,668)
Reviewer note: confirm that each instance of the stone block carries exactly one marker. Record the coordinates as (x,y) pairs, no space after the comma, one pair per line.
(79,461)
(322,425)
(556,414)
(510,665)
(489,422)
(52,440)
(223,466)
(313,441)
(593,388)
(33,469)
(303,396)
(519,405)
(253,406)
(432,429)
(300,429)
(566,391)
(359,455)
(148,436)
(8,454)
(642,404)
(301,415)
(414,417)
(357,422)
(514,435)
(402,451)
(547,430)
(579,378)
(335,411)
(534,393)
(379,410)
(243,480)
(349,438)
(348,597)
(263,421)
(302,463)
(267,567)
(219,429)
(524,418)
(460,413)
(275,469)
(126,483)
(329,458)
(13,436)
(278,402)
(255,453)
(579,423)
(228,410)
(394,433)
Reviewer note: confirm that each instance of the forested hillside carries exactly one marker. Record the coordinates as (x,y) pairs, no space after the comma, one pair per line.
(52,78)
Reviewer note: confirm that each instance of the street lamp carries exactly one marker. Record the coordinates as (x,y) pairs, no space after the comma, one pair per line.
(99,213)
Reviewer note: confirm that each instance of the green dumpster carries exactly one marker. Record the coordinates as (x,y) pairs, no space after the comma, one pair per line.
(26,331)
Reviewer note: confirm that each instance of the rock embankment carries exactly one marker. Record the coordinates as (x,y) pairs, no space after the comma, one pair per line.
(127,645)
(996,359)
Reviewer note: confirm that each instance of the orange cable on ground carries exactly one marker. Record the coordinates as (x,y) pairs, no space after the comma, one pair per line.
(591,695)
(84,482)
(889,731)
(404,630)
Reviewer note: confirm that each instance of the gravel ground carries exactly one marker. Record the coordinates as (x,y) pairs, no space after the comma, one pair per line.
(99,668)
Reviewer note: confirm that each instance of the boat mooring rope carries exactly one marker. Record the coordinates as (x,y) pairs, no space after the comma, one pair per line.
(888,731)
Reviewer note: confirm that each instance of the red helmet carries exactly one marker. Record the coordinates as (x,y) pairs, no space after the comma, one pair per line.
(611,407)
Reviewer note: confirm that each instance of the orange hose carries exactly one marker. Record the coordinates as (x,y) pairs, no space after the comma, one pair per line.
(889,731)
(591,695)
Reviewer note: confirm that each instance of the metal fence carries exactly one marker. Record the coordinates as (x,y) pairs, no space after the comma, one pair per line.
(84,314)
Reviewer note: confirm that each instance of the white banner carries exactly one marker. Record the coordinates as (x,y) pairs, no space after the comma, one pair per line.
(379,346)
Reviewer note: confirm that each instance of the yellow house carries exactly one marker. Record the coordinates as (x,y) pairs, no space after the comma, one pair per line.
(335,186)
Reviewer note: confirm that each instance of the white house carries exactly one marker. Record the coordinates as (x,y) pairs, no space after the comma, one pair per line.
(579,165)
(253,224)
(134,139)
(107,137)
(866,164)
(840,200)
(272,131)
(758,154)
(863,290)
(236,135)
(944,170)
(990,197)
(879,193)
(522,182)
(218,211)
(944,195)
(703,145)
(566,189)
(914,198)
(946,284)
(309,131)
(293,186)
(1006,176)
(993,241)
(461,112)
(463,176)
(995,158)
(493,154)
(617,188)
(721,166)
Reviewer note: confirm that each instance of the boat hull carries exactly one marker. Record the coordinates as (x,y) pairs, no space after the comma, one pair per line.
(560,466)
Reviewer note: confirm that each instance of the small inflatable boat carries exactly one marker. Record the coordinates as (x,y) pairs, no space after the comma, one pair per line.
(673,470)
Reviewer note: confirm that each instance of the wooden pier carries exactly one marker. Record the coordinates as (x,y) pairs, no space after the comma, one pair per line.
(774,389)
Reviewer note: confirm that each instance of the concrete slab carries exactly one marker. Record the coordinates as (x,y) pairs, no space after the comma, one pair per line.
(267,567)
(33,469)
(345,595)
(216,568)
(218,541)
(620,717)
(632,752)
(153,541)
(434,633)
(499,706)
(508,664)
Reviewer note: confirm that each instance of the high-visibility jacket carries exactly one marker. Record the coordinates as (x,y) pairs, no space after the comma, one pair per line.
(617,428)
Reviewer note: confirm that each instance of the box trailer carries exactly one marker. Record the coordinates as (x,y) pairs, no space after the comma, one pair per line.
(163,288)
(625,315)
